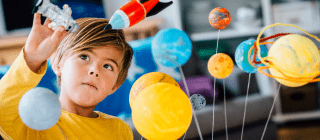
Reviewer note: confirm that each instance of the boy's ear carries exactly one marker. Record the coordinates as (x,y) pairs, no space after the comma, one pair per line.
(56,69)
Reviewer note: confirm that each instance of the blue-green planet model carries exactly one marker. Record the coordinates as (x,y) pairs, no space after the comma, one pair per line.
(241,56)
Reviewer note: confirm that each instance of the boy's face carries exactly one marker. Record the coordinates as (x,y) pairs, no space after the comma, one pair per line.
(89,76)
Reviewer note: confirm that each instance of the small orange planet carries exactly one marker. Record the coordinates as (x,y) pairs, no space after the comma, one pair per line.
(220,65)
(147,80)
(219,18)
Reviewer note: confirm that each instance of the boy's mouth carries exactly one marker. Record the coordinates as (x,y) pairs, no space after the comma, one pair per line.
(90,85)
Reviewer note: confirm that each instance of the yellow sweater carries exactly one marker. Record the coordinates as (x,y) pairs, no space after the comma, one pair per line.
(18,80)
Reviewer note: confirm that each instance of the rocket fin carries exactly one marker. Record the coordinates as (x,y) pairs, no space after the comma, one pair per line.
(143,1)
(158,8)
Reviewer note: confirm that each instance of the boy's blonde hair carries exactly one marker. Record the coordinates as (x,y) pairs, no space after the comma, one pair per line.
(91,34)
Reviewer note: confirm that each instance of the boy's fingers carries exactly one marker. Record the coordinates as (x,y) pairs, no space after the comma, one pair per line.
(56,37)
(47,22)
(37,19)
(64,34)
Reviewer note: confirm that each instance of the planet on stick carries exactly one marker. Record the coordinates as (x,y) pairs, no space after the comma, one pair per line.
(147,80)
(297,56)
(220,65)
(171,47)
(162,111)
(39,108)
(241,56)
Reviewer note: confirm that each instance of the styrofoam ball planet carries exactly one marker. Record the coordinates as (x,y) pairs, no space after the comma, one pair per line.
(297,55)
(219,18)
(147,80)
(197,101)
(40,108)
(171,47)
(162,111)
(220,65)
(241,56)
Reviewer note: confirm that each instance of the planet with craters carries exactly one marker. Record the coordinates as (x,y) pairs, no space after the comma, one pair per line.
(219,18)
(197,101)
(241,56)
(220,65)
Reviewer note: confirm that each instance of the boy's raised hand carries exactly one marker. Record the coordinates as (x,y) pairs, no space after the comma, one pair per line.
(42,42)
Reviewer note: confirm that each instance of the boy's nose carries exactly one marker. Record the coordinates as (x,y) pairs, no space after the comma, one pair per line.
(92,73)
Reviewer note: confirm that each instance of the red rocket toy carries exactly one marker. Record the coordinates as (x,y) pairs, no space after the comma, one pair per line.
(135,11)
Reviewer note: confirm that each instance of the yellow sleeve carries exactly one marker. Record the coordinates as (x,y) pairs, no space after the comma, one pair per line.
(17,81)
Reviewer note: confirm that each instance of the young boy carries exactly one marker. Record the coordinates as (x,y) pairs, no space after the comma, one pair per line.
(90,64)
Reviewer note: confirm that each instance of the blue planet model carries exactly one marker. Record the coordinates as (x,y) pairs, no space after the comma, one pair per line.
(171,47)
(39,108)
(241,56)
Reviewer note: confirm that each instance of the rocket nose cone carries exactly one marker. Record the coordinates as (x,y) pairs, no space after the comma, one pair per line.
(119,20)
(109,26)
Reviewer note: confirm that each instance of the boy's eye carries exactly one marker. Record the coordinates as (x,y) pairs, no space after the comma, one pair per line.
(108,66)
(84,57)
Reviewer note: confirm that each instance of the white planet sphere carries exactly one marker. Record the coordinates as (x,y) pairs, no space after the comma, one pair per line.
(40,108)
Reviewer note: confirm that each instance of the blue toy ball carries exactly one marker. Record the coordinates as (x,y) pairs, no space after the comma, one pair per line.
(241,56)
(39,108)
(171,47)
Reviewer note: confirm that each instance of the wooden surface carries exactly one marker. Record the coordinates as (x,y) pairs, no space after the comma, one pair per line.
(251,131)
(302,130)
(10,46)
(299,133)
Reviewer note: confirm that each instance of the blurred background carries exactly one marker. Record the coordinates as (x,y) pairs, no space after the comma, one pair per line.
(296,110)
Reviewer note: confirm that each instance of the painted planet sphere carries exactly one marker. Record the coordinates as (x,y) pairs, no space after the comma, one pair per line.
(39,108)
(197,101)
(147,80)
(171,47)
(241,56)
(162,111)
(297,55)
(220,65)
(219,18)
